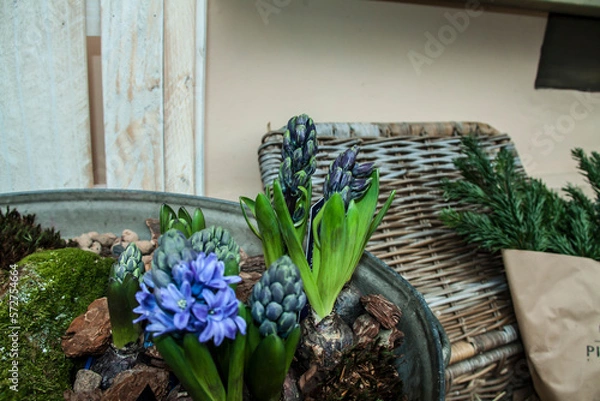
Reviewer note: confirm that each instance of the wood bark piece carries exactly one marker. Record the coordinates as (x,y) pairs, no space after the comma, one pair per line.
(365,328)
(383,310)
(130,384)
(88,334)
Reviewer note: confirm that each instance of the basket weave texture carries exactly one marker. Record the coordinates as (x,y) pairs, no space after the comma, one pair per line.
(465,287)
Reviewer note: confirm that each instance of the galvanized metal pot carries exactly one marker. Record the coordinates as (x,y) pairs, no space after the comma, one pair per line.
(425,351)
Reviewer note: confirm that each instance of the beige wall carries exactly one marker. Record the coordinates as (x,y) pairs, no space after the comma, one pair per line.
(348,60)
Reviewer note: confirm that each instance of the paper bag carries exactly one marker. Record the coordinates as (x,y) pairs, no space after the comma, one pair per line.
(557,305)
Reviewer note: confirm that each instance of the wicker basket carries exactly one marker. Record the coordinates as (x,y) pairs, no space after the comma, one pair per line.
(466,288)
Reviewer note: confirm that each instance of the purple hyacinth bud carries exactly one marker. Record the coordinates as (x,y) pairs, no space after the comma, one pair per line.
(363,169)
(298,156)
(348,177)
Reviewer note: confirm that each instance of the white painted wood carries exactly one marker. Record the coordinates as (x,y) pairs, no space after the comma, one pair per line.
(44,112)
(92,17)
(200,91)
(132,75)
(179,80)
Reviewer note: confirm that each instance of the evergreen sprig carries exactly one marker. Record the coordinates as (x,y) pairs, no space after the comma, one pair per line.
(508,210)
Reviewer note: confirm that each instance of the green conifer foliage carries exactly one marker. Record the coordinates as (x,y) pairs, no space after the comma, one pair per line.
(508,210)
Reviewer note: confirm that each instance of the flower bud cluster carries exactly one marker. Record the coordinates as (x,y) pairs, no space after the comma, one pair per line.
(277,299)
(299,162)
(348,177)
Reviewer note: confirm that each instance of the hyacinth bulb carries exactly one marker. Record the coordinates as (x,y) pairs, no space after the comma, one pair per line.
(298,155)
(348,177)
(277,299)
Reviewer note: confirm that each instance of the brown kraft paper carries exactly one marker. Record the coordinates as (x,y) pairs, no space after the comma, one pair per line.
(557,305)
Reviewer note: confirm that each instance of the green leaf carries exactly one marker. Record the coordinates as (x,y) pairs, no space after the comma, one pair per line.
(185,216)
(175,357)
(333,239)
(235,379)
(121,311)
(252,206)
(232,268)
(291,344)
(379,218)
(252,337)
(198,221)
(166,215)
(368,203)
(182,226)
(266,372)
(203,367)
(355,244)
(269,230)
(295,250)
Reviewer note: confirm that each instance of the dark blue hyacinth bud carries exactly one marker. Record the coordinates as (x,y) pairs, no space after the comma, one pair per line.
(347,177)
(277,299)
(298,155)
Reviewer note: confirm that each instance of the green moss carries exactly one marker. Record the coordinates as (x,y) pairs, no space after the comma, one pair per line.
(53,288)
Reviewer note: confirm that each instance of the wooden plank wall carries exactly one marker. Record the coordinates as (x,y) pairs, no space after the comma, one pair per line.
(132,80)
(44,111)
(152,65)
(179,62)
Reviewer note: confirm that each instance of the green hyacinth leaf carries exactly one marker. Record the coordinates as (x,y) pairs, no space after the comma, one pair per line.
(198,221)
(333,238)
(174,356)
(368,203)
(269,230)
(354,244)
(118,314)
(182,226)
(166,215)
(252,206)
(291,344)
(184,216)
(121,301)
(252,337)
(295,250)
(201,363)
(267,371)
(232,267)
(131,284)
(235,379)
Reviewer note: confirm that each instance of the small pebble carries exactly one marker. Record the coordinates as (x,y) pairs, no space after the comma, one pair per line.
(145,246)
(129,236)
(95,247)
(106,239)
(147,259)
(86,380)
(84,241)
